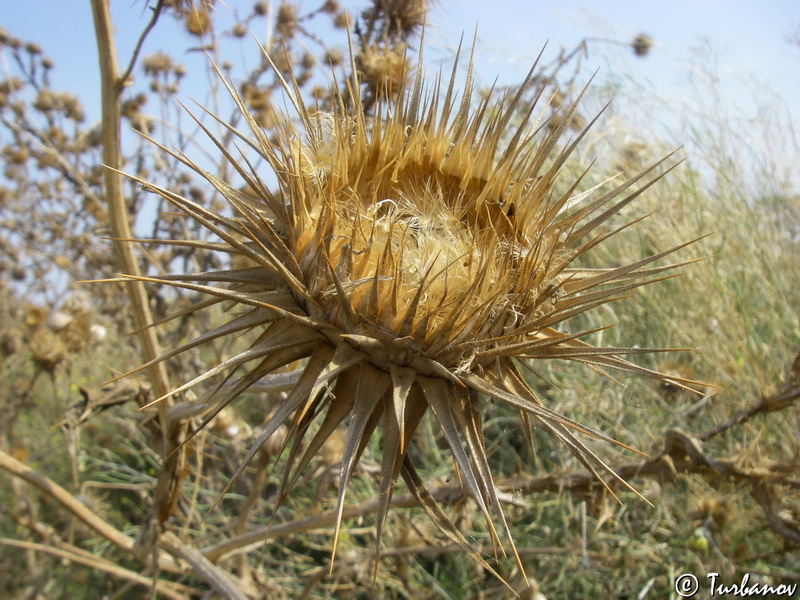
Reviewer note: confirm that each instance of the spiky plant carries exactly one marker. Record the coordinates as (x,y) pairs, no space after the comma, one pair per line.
(409,260)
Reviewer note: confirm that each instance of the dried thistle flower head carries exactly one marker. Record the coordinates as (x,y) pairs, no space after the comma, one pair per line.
(409,261)
(383,70)
(341,20)
(197,18)
(47,349)
(331,7)
(157,64)
(402,18)
(286,20)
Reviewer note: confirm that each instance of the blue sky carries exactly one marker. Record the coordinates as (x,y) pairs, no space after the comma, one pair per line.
(741,46)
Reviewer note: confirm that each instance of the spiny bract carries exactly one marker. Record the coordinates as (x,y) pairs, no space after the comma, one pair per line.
(409,259)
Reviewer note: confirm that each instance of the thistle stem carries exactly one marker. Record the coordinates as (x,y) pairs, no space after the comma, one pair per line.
(112,85)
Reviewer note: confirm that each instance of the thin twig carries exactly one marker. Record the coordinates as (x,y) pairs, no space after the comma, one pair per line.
(127,73)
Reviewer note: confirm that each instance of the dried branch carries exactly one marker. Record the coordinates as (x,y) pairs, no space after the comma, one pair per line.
(170,476)
(788,394)
(77,508)
(215,577)
(76,555)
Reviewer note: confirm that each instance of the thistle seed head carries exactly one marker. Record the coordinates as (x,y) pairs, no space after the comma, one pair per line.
(408,261)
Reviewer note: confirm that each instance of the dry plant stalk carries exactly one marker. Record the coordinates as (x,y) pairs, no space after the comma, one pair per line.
(411,259)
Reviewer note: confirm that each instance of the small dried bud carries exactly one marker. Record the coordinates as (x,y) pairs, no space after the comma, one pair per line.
(239,30)
(383,71)
(16,156)
(70,106)
(642,44)
(401,17)
(319,92)
(10,85)
(34,316)
(307,62)
(256,98)
(577,122)
(45,101)
(286,23)
(557,99)
(9,344)
(156,64)
(331,7)
(260,8)
(47,349)
(275,442)
(33,48)
(333,57)
(46,160)
(342,20)
(198,20)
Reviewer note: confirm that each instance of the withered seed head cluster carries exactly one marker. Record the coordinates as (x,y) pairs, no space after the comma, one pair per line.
(410,260)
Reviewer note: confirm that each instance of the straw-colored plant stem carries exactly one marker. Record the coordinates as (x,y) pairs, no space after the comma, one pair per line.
(112,86)
(219,580)
(411,260)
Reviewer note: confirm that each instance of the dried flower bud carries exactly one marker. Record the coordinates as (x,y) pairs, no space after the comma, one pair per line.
(239,30)
(342,20)
(157,63)
(333,57)
(642,44)
(10,85)
(275,442)
(402,18)
(331,7)
(384,72)
(286,22)
(45,101)
(34,316)
(198,20)
(47,349)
